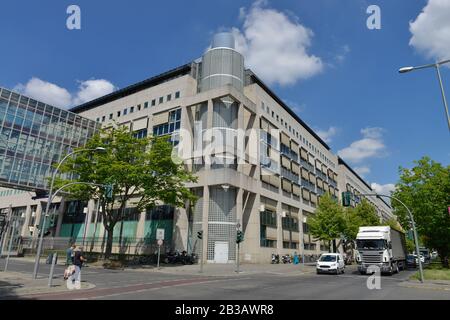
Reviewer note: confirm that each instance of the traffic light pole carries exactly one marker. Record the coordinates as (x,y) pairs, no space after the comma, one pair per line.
(237,258)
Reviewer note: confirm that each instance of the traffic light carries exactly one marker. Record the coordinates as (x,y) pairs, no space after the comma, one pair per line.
(239,236)
(200,234)
(346,198)
(109,191)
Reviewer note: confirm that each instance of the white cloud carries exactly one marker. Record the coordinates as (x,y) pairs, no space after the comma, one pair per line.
(92,89)
(46,92)
(371,145)
(327,135)
(362,171)
(275,46)
(431,30)
(383,188)
(60,97)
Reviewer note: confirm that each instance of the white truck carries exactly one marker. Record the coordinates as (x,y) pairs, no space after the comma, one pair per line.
(380,246)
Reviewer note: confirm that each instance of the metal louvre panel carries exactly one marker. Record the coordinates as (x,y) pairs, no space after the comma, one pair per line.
(305,174)
(325,186)
(296,190)
(285,139)
(294,146)
(312,178)
(225,113)
(304,154)
(318,165)
(271,233)
(305,194)
(324,169)
(313,198)
(274,181)
(222,66)
(221,220)
(319,183)
(311,160)
(286,185)
(286,162)
(295,168)
(140,124)
(160,118)
(274,155)
(265,125)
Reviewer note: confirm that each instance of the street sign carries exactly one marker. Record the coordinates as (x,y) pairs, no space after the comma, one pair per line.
(160,234)
(160,242)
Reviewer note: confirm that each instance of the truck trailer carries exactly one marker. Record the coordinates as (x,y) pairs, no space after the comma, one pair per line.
(382,247)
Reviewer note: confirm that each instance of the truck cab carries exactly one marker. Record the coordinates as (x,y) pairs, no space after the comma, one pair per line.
(382,247)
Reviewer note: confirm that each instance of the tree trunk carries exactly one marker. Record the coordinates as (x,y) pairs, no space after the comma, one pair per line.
(334,245)
(109,243)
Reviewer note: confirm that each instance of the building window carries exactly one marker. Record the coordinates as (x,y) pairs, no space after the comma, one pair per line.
(140,134)
(173,124)
(177,94)
(161,100)
(125,111)
(118,113)
(110,116)
(146,105)
(131,109)
(103,119)
(273,114)
(139,107)
(98,120)
(153,102)
(169,97)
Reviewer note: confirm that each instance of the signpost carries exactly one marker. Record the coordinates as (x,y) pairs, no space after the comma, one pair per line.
(160,238)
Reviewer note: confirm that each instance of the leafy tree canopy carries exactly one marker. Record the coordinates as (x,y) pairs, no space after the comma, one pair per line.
(425,189)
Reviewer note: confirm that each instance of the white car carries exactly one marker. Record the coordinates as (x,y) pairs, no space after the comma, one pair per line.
(330,263)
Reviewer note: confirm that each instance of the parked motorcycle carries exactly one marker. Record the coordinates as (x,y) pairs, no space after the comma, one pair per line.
(275,258)
(286,258)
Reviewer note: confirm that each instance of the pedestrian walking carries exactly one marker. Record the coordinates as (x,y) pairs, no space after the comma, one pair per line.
(296,259)
(69,254)
(78,260)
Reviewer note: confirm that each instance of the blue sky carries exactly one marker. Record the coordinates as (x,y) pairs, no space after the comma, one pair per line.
(343,78)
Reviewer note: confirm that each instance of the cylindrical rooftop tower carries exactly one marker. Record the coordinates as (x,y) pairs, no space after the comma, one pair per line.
(222,64)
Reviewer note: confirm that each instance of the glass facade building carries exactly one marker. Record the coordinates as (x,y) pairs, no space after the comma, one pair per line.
(34,136)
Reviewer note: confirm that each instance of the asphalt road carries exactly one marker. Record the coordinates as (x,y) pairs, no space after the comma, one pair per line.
(145,284)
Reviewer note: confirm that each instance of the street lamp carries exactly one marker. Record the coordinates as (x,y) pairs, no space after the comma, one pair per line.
(49,202)
(437,66)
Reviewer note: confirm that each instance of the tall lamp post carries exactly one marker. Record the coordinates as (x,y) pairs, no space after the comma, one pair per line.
(437,66)
(416,239)
(49,202)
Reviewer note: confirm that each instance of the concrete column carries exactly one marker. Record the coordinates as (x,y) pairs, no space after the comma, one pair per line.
(241,138)
(37,220)
(205,215)
(25,232)
(208,137)
(279,228)
(87,221)
(140,230)
(180,229)
(239,213)
(61,210)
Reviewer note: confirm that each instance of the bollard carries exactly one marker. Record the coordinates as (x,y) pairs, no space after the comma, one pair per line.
(10,245)
(52,269)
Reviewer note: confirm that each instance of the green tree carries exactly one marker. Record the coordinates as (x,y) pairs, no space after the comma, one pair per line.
(363,215)
(328,222)
(142,173)
(425,189)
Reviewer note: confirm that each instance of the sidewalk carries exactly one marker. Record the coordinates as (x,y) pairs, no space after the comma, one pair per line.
(13,285)
(428,284)
(226,270)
